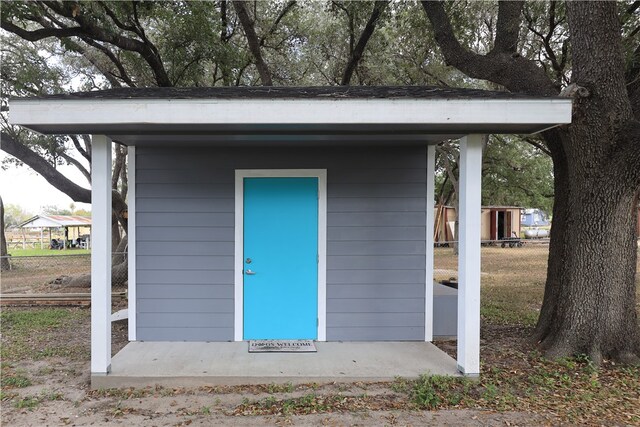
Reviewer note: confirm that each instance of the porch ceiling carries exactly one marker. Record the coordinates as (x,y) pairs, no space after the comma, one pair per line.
(288,116)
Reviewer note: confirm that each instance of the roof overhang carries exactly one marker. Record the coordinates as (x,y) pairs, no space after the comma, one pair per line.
(144,121)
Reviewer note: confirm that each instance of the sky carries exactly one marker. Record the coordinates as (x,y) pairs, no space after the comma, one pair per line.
(24,187)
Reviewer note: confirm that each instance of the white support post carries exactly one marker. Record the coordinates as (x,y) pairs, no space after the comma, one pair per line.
(131,236)
(428,294)
(469,255)
(101,255)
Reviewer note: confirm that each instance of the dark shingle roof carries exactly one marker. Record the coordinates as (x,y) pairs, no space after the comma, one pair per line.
(318,92)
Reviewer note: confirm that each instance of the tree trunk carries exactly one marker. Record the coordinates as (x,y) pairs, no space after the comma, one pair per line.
(358,51)
(119,269)
(591,306)
(252,40)
(557,246)
(4,262)
(118,275)
(593,312)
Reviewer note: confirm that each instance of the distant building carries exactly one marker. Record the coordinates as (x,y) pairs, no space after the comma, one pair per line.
(497,223)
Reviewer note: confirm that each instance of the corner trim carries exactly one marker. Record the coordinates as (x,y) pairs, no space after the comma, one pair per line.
(131,236)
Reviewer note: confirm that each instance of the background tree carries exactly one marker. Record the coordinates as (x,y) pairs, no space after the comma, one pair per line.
(4,261)
(15,215)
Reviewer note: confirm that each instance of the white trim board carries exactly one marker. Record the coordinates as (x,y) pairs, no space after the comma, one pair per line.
(48,113)
(321,174)
(131,236)
(101,255)
(429,253)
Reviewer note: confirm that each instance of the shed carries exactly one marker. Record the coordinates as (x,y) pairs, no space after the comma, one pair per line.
(74,226)
(273,213)
(496,223)
(500,222)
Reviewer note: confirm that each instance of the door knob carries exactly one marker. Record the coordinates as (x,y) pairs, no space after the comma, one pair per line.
(249,272)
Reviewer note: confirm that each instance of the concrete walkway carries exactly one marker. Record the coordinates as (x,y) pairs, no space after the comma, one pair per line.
(187,364)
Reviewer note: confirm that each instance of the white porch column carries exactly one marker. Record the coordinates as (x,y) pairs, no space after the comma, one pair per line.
(469,255)
(428,294)
(100,255)
(131,236)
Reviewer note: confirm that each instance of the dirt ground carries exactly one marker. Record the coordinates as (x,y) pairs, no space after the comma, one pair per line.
(45,376)
(58,394)
(45,373)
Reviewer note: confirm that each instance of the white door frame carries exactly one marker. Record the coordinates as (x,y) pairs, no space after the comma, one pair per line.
(321,174)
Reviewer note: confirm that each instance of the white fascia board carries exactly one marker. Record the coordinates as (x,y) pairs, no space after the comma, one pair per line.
(289,111)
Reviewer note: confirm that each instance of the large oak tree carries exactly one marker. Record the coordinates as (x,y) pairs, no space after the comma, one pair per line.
(590,294)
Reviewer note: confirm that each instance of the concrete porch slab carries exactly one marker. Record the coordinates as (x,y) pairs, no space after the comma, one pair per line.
(189,364)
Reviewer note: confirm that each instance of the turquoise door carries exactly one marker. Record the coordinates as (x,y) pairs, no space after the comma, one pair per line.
(280,258)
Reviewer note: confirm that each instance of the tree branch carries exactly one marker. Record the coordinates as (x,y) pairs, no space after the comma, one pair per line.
(356,55)
(41,33)
(289,6)
(72,45)
(537,144)
(508,26)
(44,168)
(116,21)
(253,42)
(523,75)
(80,148)
(118,165)
(89,29)
(55,178)
(124,76)
(77,164)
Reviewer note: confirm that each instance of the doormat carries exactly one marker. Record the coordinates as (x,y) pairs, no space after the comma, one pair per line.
(282,346)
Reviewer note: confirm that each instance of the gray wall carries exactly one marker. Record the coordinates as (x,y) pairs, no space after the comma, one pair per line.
(375,248)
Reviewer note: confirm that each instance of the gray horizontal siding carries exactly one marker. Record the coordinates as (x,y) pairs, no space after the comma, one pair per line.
(373,262)
(374,204)
(377,333)
(184,234)
(374,219)
(190,290)
(189,333)
(367,320)
(375,239)
(394,247)
(379,190)
(362,175)
(190,205)
(185,306)
(179,320)
(380,291)
(363,277)
(177,191)
(375,305)
(184,262)
(355,233)
(177,277)
(191,248)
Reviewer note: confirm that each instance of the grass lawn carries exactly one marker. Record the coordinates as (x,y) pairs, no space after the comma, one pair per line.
(48,252)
